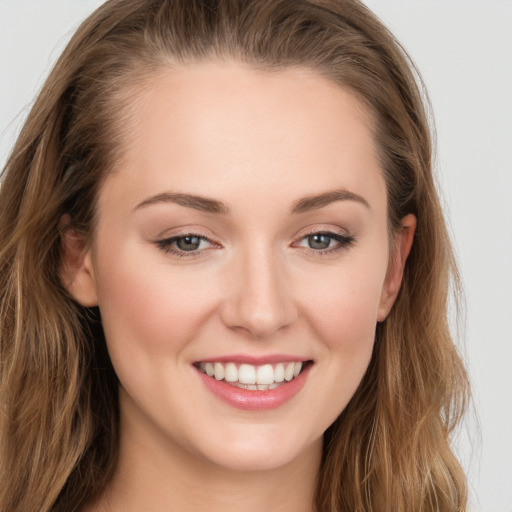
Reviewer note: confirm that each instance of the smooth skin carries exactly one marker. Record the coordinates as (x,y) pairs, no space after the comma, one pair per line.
(270,271)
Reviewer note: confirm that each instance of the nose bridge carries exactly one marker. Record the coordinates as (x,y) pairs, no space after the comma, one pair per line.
(260,300)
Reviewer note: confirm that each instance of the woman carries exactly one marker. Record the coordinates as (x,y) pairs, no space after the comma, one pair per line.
(224,270)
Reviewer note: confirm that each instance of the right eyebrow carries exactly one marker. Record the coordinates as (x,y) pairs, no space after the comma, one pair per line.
(203,204)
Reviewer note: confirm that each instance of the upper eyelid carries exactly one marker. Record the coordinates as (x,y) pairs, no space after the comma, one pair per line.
(178,231)
(184,235)
(324,230)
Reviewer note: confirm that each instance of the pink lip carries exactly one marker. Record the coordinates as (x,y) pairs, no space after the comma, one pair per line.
(255,400)
(255,360)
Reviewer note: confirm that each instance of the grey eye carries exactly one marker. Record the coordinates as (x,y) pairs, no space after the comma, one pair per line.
(188,243)
(319,241)
(182,245)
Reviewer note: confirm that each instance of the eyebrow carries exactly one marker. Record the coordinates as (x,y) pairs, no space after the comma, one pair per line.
(200,203)
(205,204)
(318,201)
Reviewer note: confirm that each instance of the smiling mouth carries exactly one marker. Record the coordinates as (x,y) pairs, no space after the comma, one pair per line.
(251,377)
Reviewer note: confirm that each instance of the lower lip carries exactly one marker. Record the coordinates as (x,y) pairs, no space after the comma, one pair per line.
(254,400)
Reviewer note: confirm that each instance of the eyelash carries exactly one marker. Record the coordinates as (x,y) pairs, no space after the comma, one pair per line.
(344,241)
(167,245)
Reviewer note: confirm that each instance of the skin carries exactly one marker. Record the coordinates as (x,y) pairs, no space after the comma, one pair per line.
(259,143)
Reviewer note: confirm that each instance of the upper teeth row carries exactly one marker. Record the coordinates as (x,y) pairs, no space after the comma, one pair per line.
(249,374)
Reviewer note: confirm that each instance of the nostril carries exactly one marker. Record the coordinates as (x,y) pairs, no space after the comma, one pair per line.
(260,304)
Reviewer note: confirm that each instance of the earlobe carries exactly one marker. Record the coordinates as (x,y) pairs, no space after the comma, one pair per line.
(403,242)
(76,270)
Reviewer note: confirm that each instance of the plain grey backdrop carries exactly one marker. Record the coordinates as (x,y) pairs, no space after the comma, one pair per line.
(463,49)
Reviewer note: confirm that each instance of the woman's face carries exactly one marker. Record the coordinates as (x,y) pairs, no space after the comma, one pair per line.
(243,233)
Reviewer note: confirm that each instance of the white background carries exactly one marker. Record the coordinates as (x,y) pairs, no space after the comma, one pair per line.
(464,51)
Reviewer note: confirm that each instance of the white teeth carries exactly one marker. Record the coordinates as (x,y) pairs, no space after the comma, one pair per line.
(231,372)
(279,373)
(248,376)
(265,374)
(288,371)
(209,369)
(219,371)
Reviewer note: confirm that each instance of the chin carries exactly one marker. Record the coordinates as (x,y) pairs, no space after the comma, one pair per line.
(257,452)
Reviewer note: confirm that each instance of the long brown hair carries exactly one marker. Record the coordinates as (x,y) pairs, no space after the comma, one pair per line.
(389,450)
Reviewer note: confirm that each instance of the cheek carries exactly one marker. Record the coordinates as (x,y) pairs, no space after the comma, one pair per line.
(339,308)
(147,306)
(343,315)
(344,309)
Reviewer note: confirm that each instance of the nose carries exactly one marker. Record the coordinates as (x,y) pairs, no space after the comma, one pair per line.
(258,296)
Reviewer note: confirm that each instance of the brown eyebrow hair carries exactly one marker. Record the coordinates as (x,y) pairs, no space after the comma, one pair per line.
(320,200)
(208,205)
(203,204)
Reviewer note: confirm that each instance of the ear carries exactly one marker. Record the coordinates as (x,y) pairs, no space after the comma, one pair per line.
(403,243)
(76,271)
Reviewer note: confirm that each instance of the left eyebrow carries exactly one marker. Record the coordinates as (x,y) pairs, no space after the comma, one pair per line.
(318,201)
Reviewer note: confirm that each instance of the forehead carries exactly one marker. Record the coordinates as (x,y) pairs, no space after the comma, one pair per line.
(221,125)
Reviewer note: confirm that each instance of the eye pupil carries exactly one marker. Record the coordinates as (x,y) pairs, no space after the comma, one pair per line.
(188,243)
(319,241)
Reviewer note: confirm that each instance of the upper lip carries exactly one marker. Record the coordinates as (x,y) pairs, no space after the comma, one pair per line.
(255,360)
